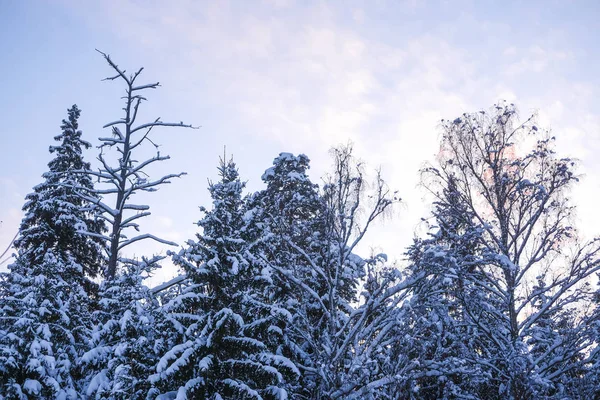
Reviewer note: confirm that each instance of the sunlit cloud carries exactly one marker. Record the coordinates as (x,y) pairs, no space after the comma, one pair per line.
(304,76)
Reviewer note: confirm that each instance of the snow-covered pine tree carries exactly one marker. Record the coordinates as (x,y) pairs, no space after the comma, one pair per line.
(515,189)
(309,244)
(435,333)
(287,213)
(229,334)
(55,214)
(122,351)
(589,386)
(44,306)
(127,177)
(290,208)
(555,327)
(44,319)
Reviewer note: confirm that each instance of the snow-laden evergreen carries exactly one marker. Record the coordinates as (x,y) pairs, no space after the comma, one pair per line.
(45,296)
(229,335)
(310,239)
(436,335)
(274,300)
(45,322)
(55,214)
(124,342)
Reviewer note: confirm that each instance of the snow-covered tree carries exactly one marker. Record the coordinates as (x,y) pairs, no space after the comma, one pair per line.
(229,335)
(530,267)
(435,333)
(589,386)
(310,239)
(44,320)
(44,299)
(55,215)
(124,343)
(288,210)
(127,177)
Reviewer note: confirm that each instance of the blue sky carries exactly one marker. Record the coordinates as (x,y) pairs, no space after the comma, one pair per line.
(263,77)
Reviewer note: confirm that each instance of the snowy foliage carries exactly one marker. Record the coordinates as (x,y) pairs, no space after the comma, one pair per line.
(44,322)
(226,334)
(55,215)
(45,297)
(310,236)
(506,266)
(122,350)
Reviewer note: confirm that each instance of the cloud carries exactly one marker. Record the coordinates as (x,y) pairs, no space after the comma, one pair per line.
(535,59)
(300,77)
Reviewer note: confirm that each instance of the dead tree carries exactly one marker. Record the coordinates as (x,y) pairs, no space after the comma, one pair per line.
(127,176)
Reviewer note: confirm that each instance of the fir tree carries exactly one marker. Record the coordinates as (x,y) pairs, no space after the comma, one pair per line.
(229,334)
(289,212)
(310,239)
(436,333)
(44,306)
(56,218)
(123,350)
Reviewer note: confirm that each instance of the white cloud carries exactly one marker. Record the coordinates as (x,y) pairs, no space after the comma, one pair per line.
(304,81)
(535,59)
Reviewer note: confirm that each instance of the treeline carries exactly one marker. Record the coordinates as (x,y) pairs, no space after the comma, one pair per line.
(498,301)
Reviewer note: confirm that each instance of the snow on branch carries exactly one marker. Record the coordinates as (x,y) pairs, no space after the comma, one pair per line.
(147,86)
(168,284)
(160,123)
(146,236)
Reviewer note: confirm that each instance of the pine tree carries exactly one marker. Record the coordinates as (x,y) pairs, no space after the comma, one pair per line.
(123,346)
(289,212)
(56,216)
(547,355)
(229,333)
(589,385)
(44,319)
(310,239)
(436,333)
(44,306)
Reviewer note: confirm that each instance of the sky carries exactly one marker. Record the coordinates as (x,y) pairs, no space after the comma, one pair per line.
(268,76)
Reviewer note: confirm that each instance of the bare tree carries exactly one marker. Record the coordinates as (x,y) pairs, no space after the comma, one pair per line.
(127,176)
(10,245)
(532,275)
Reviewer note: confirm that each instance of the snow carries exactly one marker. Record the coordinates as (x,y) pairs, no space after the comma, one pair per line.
(32,386)
(99,381)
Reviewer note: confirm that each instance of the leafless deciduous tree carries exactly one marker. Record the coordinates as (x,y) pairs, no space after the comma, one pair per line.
(127,176)
(5,252)
(532,277)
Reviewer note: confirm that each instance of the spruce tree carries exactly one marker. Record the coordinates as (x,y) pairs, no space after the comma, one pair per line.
(57,218)
(229,333)
(44,306)
(310,237)
(122,350)
(436,333)
(290,212)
